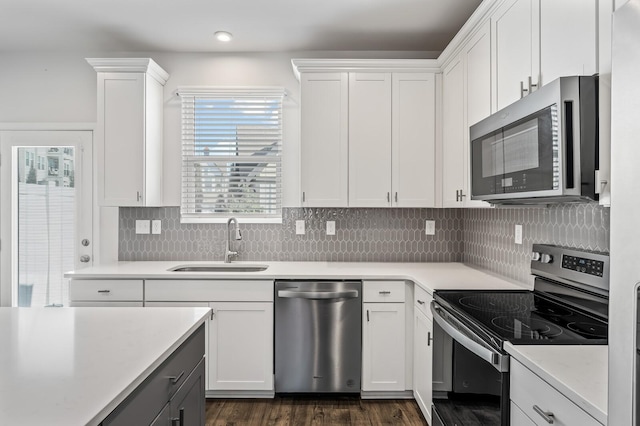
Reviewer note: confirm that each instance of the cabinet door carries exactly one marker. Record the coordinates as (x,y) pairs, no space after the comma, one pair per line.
(120,137)
(188,404)
(369,139)
(568,38)
(422,359)
(240,347)
(383,347)
(453,153)
(477,75)
(515,51)
(324,139)
(519,418)
(413,140)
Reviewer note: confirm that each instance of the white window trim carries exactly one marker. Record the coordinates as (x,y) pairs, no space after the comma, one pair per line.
(237,92)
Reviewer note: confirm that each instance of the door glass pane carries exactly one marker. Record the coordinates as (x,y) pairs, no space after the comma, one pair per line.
(46,220)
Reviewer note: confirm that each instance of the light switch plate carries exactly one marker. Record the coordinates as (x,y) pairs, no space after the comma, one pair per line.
(331,227)
(156,226)
(299,227)
(430,227)
(143,227)
(518,234)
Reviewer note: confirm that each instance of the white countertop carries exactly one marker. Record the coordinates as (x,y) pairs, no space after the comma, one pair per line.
(430,276)
(579,372)
(73,366)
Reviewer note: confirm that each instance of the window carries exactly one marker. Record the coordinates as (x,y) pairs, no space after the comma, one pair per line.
(231,153)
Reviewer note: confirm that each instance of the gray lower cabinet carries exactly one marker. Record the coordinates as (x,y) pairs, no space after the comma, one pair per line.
(173,395)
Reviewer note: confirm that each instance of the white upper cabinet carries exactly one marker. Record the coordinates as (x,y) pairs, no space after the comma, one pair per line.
(568,38)
(515,50)
(453,128)
(538,41)
(369,139)
(129,131)
(324,114)
(413,139)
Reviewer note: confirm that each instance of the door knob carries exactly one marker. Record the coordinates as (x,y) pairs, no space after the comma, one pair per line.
(85,258)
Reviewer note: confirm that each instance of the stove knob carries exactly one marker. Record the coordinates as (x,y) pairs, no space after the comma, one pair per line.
(546,258)
(535,256)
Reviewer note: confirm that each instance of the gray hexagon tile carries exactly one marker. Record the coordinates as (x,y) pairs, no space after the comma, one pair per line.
(482,237)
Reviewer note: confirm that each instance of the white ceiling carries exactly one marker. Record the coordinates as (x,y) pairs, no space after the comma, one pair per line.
(257,25)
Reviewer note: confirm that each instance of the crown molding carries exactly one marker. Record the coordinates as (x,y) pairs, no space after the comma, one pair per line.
(359,65)
(143,65)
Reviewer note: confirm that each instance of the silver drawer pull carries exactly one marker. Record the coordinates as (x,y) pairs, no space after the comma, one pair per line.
(176,379)
(384,292)
(104,291)
(546,415)
(421,302)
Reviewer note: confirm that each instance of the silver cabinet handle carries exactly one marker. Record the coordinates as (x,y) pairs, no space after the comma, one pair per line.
(367,315)
(421,302)
(104,291)
(388,197)
(85,258)
(532,87)
(176,379)
(138,196)
(383,292)
(523,90)
(396,196)
(303,196)
(289,294)
(546,415)
(429,338)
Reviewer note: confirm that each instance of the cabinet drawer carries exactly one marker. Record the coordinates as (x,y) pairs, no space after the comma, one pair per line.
(101,304)
(528,391)
(144,404)
(208,291)
(422,300)
(105,290)
(383,291)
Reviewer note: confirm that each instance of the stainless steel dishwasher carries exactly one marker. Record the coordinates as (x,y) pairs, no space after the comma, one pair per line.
(318,336)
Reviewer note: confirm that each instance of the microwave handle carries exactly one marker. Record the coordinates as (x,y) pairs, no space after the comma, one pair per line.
(463,335)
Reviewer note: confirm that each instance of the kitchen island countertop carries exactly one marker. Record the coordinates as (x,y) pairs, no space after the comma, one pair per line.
(73,366)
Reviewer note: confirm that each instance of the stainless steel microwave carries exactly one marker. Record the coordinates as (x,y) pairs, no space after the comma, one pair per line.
(542,148)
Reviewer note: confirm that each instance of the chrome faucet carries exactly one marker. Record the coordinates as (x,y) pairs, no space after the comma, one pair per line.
(228,254)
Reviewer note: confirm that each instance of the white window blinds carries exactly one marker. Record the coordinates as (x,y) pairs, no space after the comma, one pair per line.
(231,153)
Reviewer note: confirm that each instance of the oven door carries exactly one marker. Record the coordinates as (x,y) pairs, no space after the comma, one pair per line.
(475,390)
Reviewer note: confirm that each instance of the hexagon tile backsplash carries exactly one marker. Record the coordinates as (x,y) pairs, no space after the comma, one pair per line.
(362,235)
(482,237)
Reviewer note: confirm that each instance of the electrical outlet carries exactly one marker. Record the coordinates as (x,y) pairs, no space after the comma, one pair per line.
(331,227)
(143,227)
(299,227)
(156,226)
(518,234)
(430,227)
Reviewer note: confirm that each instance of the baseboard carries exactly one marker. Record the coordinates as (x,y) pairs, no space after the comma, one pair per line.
(239,394)
(408,394)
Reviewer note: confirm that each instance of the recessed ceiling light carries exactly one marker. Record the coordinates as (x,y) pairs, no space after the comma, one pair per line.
(223,36)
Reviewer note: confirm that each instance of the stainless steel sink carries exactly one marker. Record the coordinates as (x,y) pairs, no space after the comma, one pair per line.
(219,268)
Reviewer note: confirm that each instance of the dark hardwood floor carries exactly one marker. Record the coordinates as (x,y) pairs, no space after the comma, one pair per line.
(313,411)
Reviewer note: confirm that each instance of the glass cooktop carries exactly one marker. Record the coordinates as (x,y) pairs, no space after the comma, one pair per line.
(525,317)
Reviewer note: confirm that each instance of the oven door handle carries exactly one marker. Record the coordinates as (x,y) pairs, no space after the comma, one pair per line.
(463,335)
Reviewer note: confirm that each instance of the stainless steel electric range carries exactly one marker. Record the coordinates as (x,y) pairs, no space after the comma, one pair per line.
(568,306)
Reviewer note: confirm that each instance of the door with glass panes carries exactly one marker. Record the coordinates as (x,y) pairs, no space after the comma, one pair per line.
(45,214)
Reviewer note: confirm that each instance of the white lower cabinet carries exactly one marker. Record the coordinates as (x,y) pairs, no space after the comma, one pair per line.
(541,403)
(239,332)
(383,347)
(422,352)
(240,348)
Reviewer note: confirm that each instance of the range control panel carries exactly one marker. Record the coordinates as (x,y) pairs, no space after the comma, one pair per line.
(584,265)
(567,264)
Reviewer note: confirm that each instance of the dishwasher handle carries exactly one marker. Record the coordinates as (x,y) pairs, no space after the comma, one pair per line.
(318,295)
